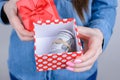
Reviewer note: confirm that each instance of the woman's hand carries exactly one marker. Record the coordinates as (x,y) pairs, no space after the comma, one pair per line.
(93,40)
(10,9)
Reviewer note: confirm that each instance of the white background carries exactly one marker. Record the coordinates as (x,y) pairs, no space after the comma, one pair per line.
(109,65)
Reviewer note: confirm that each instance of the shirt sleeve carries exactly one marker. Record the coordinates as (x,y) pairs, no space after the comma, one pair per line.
(3,17)
(103,17)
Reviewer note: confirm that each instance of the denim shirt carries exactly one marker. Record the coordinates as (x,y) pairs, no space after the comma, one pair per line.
(101,14)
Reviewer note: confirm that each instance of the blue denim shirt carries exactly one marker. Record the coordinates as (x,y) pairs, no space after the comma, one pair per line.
(101,14)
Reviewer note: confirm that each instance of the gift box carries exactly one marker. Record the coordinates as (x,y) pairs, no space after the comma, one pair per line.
(45,33)
(33,10)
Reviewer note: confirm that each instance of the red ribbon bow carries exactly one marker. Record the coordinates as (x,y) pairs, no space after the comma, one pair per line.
(33,10)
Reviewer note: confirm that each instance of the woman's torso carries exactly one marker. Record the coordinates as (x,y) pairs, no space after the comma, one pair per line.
(21,60)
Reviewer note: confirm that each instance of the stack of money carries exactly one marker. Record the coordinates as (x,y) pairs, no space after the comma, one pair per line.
(64,42)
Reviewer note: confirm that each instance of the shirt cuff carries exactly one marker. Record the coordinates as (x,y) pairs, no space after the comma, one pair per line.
(3,15)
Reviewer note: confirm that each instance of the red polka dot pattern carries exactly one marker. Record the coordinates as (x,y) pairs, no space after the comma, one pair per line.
(54,61)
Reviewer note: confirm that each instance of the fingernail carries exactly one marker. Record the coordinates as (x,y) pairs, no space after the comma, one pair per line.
(70,63)
(69,68)
(78,61)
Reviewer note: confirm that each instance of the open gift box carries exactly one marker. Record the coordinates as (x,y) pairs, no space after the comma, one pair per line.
(45,33)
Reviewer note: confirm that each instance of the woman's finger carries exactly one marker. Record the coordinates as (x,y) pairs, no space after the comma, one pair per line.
(79,69)
(16,22)
(82,66)
(24,38)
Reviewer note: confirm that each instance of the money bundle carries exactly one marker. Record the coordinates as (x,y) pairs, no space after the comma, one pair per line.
(64,42)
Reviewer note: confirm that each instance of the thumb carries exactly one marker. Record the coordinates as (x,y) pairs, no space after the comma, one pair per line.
(84,32)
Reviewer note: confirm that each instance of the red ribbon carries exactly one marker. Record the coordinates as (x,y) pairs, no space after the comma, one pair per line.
(33,10)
